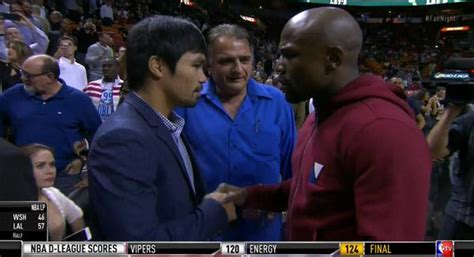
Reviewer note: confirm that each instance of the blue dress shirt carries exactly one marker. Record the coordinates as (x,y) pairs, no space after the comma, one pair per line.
(253,148)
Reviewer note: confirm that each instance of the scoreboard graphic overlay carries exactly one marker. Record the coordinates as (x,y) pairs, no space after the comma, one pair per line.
(24,232)
(13,248)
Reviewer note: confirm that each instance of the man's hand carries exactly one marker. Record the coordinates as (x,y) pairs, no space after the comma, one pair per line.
(81,184)
(226,203)
(238,195)
(80,146)
(74,167)
(453,110)
(25,21)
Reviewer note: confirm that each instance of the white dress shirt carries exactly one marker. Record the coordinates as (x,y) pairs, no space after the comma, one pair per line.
(73,73)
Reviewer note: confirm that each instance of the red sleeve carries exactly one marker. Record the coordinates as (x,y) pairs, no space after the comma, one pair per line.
(391,166)
(269,197)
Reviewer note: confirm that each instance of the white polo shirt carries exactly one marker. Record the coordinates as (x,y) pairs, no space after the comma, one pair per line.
(73,73)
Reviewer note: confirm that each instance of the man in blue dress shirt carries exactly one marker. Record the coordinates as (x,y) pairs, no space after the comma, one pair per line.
(242,132)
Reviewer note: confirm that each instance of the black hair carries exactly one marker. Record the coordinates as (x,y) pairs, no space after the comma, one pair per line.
(166,37)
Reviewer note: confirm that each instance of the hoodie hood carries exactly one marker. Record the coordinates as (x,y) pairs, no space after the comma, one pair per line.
(365,87)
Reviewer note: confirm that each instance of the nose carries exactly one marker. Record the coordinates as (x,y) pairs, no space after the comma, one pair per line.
(237,66)
(202,77)
(51,170)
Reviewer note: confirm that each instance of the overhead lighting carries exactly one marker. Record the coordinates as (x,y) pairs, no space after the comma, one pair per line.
(248,18)
(460,28)
(187,2)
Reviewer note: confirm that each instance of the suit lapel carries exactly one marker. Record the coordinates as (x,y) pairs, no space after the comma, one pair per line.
(199,184)
(162,132)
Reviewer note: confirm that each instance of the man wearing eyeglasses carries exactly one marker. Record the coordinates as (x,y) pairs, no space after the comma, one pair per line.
(47,111)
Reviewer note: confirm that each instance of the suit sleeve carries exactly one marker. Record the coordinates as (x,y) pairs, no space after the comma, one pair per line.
(124,194)
(391,166)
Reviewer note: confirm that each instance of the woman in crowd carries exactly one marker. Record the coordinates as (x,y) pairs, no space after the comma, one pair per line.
(60,208)
(10,75)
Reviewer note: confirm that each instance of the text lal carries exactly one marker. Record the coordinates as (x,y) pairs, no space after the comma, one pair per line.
(17,226)
(380,249)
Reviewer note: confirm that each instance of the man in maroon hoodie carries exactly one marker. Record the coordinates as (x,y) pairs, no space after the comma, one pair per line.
(361,166)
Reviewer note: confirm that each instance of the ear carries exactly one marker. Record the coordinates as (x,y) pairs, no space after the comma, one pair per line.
(155,66)
(334,57)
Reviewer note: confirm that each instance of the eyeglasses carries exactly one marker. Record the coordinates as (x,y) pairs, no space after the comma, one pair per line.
(27,75)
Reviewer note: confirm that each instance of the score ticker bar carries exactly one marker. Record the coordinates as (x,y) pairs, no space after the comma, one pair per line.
(11,248)
(348,249)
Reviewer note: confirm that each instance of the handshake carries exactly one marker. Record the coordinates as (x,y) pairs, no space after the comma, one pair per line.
(229,196)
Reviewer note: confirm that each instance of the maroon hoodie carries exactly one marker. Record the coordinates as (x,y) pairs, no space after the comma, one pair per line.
(361,170)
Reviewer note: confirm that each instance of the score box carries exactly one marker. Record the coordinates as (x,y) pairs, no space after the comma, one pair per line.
(352,248)
(11,249)
(230,248)
(23,220)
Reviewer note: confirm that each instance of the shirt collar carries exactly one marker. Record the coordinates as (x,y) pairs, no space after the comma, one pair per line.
(66,60)
(253,90)
(175,124)
(116,82)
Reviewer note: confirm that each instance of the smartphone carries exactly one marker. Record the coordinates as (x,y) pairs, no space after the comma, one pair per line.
(81,235)
(9,16)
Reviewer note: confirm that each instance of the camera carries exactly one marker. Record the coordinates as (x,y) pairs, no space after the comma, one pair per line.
(458,79)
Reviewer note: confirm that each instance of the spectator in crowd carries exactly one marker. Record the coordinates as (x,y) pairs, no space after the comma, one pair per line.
(73,9)
(4,7)
(43,11)
(121,53)
(454,133)
(105,92)
(68,28)
(72,72)
(61,209)
(86,37)
(416,108)
(55,19)
(93,7)
(107,13)
(30,33)
(27,8)
(36,38)
(437,108)
(161,196)
(96,54)
(17,182)
(10,75)
(47,111)
(242,132)
(42,20)
(350,147)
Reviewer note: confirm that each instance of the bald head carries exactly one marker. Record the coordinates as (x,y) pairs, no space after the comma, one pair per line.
(320,49)
(45,63)
(328,26)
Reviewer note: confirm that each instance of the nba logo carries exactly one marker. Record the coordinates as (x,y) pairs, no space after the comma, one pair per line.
(444,248)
